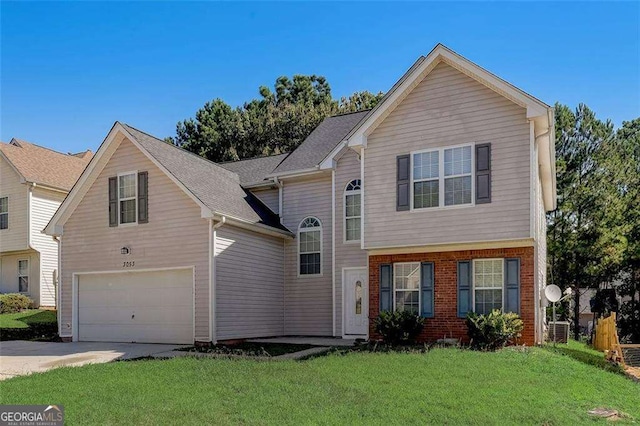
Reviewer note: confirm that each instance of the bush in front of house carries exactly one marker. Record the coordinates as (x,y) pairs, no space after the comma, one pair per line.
(12,303)
(399,327)
(494,330)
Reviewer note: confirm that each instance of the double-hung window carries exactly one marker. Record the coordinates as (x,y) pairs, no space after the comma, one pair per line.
(352,204)
(128,197)
(23,276)
(442,177)
(488,283)
(406,287)
(4,212)
(310,247)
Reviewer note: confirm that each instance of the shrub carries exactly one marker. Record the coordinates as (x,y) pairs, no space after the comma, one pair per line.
(399,327)
(11,303)
(494,330)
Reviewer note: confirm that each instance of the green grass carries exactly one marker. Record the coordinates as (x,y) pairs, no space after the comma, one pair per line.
(443,386)
(34,324)
(585,354)
(25,318)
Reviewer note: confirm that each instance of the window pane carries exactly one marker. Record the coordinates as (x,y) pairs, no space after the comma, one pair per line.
(310,264)
(127,186)
(23,267)
(128,211)
(457,191)
(353,229)
(4,221)
(4,204)
(352,205)
(358,297)
(425,165)
(457,161)
(488,300)
(426,194)
(23,284)
(408,301)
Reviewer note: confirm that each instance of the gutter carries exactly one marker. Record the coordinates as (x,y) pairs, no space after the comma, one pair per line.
(296,173)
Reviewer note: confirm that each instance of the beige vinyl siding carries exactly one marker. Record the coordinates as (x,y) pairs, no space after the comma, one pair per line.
(176,235)
(448,108)
(269,197)
(249,270)
(348,255)
(308,301)
(16,236)
(44,204)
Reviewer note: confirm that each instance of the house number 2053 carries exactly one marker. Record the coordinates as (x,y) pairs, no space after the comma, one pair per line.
(129,264)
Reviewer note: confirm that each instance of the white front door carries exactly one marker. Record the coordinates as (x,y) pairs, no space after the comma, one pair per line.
(356,301)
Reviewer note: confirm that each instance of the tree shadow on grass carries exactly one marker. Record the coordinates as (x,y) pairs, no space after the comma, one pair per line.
(588,357)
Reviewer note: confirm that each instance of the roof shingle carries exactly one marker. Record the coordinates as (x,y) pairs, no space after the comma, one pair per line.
(44,166)
(253,171)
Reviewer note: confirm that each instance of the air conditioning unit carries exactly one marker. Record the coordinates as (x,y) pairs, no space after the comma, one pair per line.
(559,329)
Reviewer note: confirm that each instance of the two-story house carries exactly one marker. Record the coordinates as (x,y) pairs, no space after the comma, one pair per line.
(33,182)
(431,202)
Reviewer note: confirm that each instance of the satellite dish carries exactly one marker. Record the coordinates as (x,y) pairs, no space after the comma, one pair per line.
(553,293)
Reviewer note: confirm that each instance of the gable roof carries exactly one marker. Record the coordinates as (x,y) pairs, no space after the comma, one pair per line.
(254,171)
(216,187)
(320,142)
(44,166)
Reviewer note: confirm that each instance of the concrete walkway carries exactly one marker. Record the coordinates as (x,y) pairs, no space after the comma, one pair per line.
(316,341)
(19,357)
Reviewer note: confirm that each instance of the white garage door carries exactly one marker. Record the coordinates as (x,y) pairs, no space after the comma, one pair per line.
(151,307)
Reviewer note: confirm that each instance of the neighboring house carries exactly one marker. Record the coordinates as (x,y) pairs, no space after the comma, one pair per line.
(33,182)
(432,202)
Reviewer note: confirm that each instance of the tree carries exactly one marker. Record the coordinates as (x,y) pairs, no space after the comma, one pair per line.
(278,121)
(627,149)
(585,234)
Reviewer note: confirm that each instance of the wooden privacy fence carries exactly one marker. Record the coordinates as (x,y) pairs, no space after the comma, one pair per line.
(606,334)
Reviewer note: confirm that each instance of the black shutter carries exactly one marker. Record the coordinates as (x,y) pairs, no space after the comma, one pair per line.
(113,201)
(402,180)
(427,289)
(464,288)
(483,173)
(385,287)
(143,199)
(512,285)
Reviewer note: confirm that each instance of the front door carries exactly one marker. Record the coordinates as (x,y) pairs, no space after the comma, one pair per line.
(356,301)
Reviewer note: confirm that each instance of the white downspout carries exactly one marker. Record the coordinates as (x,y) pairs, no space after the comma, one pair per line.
(212,275)
(333,251)
(280,186)
(58,240)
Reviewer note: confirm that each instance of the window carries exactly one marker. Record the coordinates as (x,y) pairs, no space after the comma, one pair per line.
(127,197)
(352,203)
(488,281)
(310,246)
(358,290)
(442,177)
(4,213)
(23,276)
(406,287)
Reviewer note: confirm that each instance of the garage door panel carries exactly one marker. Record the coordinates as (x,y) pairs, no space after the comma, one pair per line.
(136,307)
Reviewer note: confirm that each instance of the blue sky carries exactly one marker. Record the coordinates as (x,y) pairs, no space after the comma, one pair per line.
(69,70)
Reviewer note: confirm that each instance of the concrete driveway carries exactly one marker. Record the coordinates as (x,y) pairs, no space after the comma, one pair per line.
(19,357)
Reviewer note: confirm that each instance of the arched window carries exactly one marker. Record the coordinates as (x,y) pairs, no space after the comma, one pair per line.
(310,246)
(352,218)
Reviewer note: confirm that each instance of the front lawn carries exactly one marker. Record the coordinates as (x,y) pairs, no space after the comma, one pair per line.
(33,324)
(250,349)
(443,386)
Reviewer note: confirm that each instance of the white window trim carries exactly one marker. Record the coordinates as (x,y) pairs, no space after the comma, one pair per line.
(316,228)
(28,275)
(473,281)
(344,212)
(419,290)
(135,173)
(7,213)
(442,177)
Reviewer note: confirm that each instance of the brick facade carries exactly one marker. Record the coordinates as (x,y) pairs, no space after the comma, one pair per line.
(446,322)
